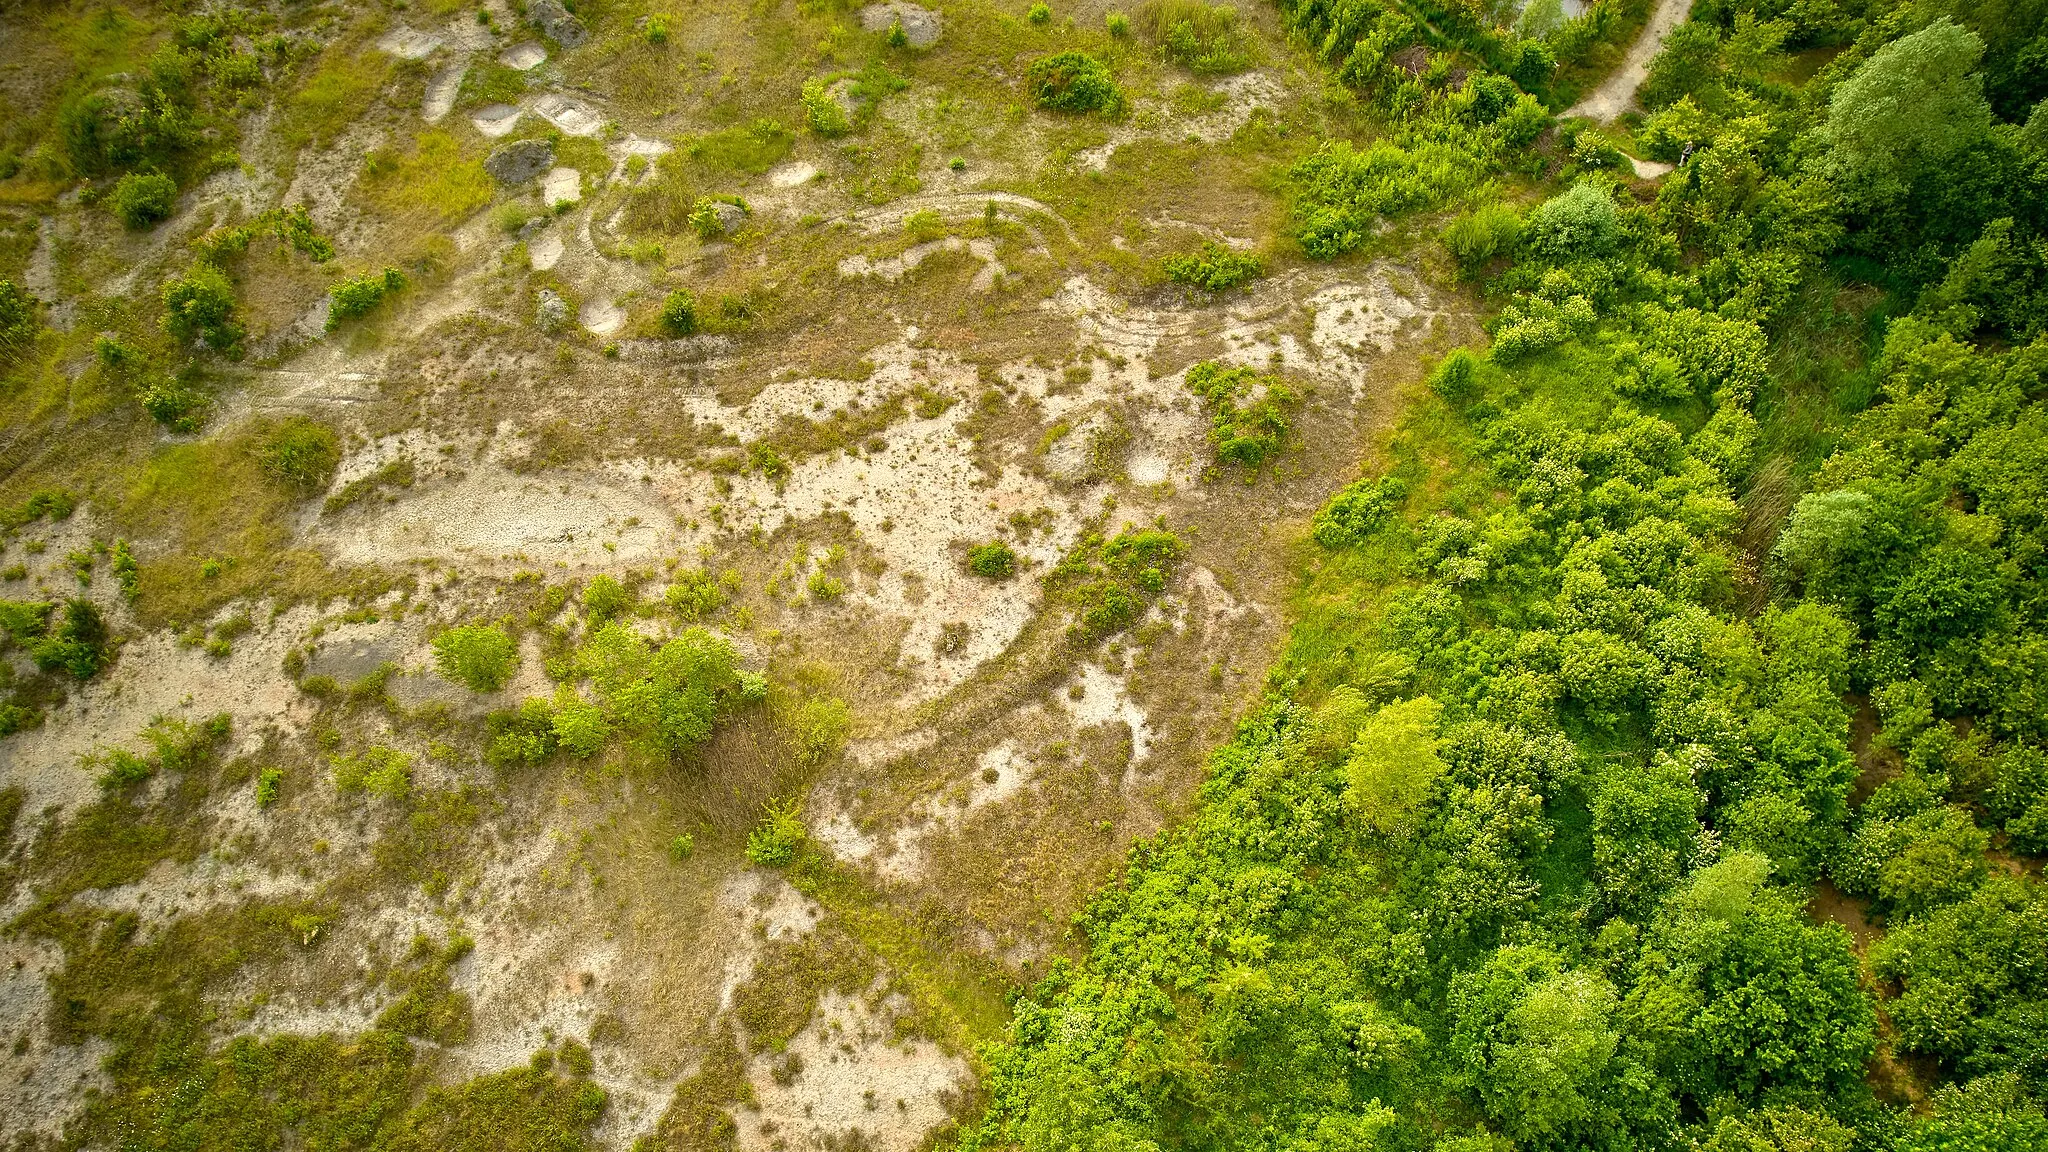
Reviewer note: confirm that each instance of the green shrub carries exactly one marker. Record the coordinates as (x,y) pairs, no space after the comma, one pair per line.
(1119,25)
(1201,38)
(924,225)
(1243,433)
(822,113)
(1110,583)
(177,404)
(1478,236)
(994,560)
(357,295)
(1342,192)
(680,848)
(707,220)
(1072,82)
(695,594)
(679,313)
(480,656)
(604,598)
(666,700)
(200,305)
(1581,221)
(301,455)
(1214,267)
(775,840)
(269,783)
(522,735)
(1361,509)
(1039,13)
(141,199)
(19,325)
(896,37)
(579,726)
(1456,379)
(76,642)
(656,31)
(376,769)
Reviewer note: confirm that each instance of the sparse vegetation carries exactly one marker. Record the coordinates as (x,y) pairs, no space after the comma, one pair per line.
(1248,411)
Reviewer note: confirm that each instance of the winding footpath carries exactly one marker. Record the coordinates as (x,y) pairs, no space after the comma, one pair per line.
(1618,93)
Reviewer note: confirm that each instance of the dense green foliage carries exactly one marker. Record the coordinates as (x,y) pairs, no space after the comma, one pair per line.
(995,560)
(679,313)
(480,656)
(1213,267)
(141,199)
(358,295)
(1518,851)
(1072,82)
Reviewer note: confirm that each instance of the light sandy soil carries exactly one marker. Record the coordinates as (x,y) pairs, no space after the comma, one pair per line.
(982,752)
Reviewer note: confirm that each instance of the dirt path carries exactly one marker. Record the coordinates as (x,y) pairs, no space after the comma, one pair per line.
(1618,93)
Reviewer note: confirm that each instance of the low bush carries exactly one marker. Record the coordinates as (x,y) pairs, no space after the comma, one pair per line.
(1200,37)
(358,295)
(679,313)
(379,770)
(1247,411)
(301,455)
(177,403)
(1479,236)
(1214,267)
(19,325)
(604,597)
(822,113)
(142,199)
(775,840)
(1072,82)
(993,560)
(1357,512)
(200,305)
(479,656)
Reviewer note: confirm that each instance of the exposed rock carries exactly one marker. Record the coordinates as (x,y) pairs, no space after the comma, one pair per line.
(562,186)
(730,216)
(920,25)
(556,23)
(570,115)
(551,313)
(520,161)
(496,119)
(523,57)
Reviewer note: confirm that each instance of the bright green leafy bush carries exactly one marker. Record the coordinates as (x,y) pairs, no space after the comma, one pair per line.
(1213,267)
(1072,82)
(358,295)
(479,656)
(141,199)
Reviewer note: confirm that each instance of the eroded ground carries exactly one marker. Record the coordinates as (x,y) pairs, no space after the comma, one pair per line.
(899,358)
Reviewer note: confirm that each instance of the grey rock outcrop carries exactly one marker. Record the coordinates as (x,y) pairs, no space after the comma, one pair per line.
(556,23)
(551,312)
(520,161)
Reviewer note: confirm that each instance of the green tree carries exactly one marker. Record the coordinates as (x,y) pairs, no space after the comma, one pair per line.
(1916,102)
(1393,763)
